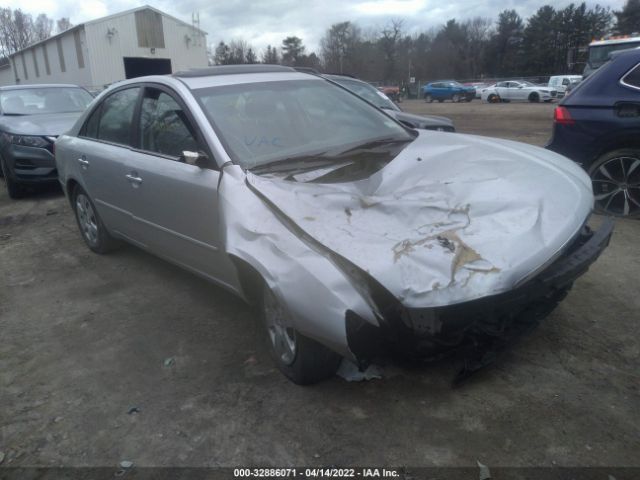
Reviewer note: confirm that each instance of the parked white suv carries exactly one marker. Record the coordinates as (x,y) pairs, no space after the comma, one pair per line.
(560,83)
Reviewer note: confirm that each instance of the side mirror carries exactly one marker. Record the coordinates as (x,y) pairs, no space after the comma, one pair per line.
(199,159)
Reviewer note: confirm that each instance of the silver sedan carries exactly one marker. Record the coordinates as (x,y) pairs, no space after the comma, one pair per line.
(354,235)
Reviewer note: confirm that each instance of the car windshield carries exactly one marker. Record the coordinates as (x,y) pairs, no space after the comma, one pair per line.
(455,84)
(267,122)
(34,101)
(368,92)
(600,53)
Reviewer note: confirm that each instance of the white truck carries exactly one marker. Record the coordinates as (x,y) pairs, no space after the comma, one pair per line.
(599,50)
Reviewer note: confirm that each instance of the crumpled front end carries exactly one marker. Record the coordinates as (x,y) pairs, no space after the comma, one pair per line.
(456,233)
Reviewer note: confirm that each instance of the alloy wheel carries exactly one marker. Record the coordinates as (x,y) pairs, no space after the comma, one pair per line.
(616,186)
(87,219)
(282,337)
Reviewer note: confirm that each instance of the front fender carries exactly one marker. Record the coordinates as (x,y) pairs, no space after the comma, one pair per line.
(314,290)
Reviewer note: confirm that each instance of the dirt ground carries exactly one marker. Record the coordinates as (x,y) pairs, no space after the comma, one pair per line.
(86,340)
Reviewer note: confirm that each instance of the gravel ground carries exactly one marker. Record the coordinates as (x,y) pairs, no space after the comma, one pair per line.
(85,338)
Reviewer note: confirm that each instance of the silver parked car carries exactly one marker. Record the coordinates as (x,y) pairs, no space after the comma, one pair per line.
(354,234)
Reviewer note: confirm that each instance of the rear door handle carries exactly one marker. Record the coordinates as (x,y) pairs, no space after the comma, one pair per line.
(133,178)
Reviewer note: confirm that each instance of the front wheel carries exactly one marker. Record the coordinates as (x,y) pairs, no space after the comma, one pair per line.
(493,98)
(14,189)
(616,183)
(303,360)
(93,231)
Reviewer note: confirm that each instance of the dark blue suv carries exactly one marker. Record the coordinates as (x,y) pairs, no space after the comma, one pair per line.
(598,126)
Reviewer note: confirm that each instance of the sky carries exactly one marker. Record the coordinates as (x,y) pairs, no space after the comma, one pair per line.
(268,21)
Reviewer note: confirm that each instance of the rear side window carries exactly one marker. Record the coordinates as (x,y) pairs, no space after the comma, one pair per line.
(632,79)
(112,121)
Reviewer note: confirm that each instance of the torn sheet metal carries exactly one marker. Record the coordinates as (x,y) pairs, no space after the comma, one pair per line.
(315,291)
(431,225)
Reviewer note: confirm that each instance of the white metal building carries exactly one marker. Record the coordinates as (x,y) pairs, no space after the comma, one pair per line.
(141,41)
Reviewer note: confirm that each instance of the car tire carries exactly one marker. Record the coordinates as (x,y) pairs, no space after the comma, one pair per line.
(301,359)
(615,177)
(493,98)
(470,99)
(455,98)
(14,189)
(534,97)
(440,100)
(93,231)
(428,98)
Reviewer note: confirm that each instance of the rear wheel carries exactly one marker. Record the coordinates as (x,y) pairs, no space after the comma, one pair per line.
(93,231)
(428,98)
(455,98)
(534,97)
(616,183)
(493,98)
(303,360)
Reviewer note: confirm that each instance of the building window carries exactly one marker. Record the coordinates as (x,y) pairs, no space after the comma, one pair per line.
(63,67)
(149,29)
(24,67)
(35,62)
(76,38)
(45,53)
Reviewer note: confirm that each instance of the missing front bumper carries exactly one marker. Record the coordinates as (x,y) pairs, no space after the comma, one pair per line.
(483,325)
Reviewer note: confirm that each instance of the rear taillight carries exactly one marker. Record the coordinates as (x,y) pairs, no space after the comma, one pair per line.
(562,116)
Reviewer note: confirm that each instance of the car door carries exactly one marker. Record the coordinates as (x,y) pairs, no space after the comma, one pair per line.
(519,91)
(175,203)
(503,90)
(101,151)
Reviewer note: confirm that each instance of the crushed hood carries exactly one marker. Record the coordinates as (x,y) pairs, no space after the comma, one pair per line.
(452,218)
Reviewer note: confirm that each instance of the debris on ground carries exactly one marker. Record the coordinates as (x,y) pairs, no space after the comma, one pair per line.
(169,362)
(51,211)
(485,474)
(5,236)
(1,457)
(58,419)
(250,361)
(126,464)
(352,373)
(133,410)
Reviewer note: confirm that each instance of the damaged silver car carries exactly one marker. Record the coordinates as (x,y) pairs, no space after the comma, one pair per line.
(354,234)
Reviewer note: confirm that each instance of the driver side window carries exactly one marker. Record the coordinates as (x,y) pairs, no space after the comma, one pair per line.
(164,127)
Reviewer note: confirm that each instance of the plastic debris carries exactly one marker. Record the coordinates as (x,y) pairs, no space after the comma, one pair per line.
(351,373)
(251,360)
(169,362)
(133,410)
(1,457)
(485,474)
(126,464)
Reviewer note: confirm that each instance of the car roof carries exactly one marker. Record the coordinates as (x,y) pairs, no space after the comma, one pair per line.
(39,85)
(231,70)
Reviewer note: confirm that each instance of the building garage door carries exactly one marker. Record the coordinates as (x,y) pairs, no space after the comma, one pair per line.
(139,67)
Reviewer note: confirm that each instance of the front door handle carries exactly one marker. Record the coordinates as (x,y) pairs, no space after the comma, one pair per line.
(133,178)
(83,162)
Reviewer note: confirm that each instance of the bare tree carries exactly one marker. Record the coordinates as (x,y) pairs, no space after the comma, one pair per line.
(388,42)
(63,24)
(338,46)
